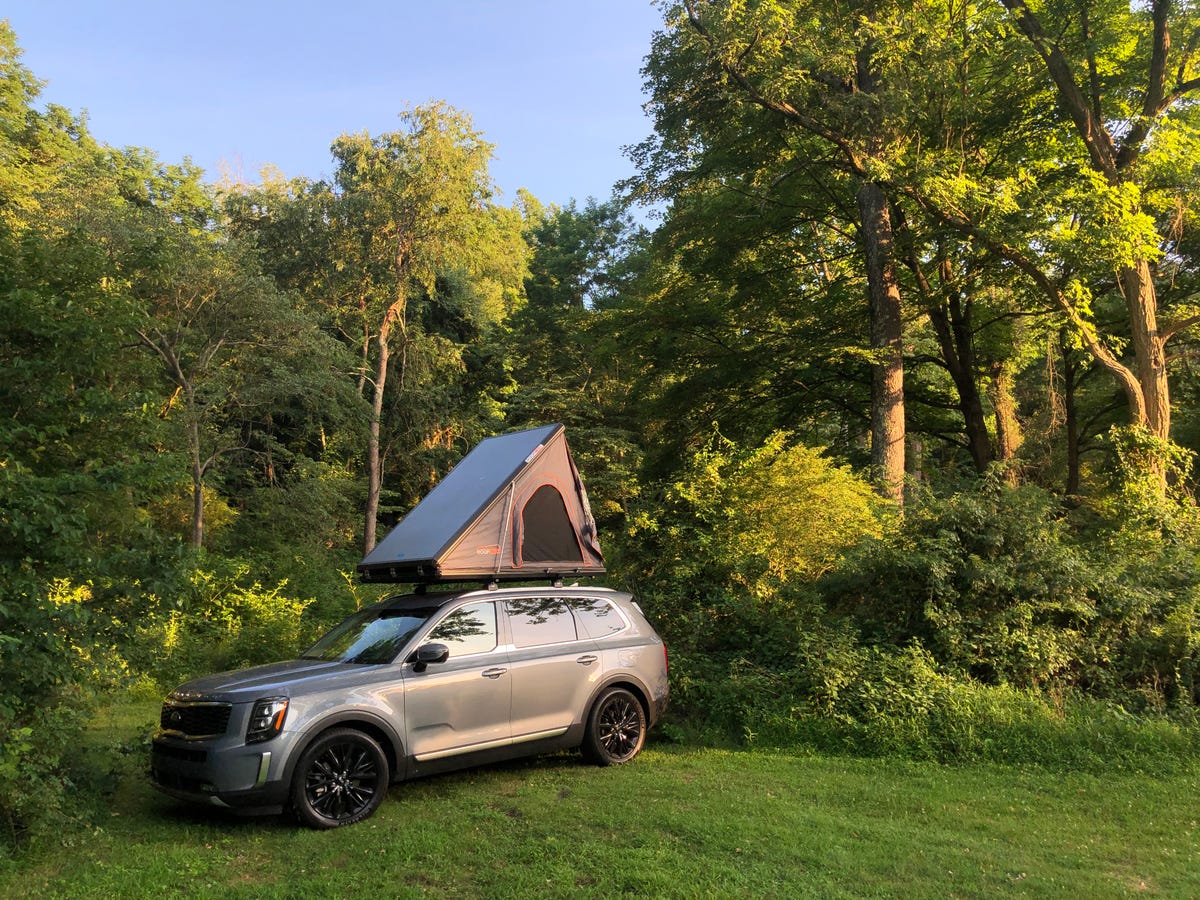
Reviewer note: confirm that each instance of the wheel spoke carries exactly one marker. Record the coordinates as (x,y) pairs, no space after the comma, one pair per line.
(362,767)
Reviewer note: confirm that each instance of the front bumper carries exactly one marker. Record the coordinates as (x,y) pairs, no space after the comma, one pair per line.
(247,778)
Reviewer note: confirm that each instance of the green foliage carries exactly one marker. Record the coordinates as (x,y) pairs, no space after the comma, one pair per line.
(220,619)
(49,667)
(991,623)
(753,519)
(989,580)
(565,357)
(896,702)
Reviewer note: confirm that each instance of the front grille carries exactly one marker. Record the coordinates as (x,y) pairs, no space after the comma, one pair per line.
(195,720)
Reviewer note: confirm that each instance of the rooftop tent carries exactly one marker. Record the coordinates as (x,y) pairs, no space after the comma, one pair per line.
(513,508)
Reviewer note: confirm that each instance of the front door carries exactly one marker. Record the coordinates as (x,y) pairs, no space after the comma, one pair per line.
(463,704)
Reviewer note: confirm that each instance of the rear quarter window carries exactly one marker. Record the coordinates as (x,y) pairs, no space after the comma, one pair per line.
(597,617)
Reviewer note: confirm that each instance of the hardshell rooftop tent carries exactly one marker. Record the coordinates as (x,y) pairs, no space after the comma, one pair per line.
(514,508)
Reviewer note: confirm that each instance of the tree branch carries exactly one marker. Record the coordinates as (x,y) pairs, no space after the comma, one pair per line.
(1171,329)
(782,107)
(1154,101)
(1098,142)
(1127,379)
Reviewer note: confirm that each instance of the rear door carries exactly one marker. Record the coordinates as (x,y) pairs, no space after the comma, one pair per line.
(554,667)
(463,704)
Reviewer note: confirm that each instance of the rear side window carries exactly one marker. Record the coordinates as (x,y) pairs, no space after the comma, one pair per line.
(597,617)
(540,620)
(469,629)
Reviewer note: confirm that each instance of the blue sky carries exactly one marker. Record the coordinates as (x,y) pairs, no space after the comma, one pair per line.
(554,84)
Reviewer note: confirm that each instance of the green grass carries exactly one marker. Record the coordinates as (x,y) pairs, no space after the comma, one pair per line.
(681,821)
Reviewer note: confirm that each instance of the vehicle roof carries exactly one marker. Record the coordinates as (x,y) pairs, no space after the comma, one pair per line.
(441,598)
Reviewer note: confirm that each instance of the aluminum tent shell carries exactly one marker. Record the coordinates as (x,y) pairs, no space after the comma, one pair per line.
(514,508)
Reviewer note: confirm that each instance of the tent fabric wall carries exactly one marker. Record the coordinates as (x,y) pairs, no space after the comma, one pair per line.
(513,508)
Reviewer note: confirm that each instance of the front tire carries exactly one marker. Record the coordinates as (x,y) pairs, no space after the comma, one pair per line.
(616,729)
(340,779)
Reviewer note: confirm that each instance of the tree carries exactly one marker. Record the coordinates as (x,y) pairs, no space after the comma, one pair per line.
(230,346)
(413,205)
(568,359)
(827,89)
(77,460)
(1075,212)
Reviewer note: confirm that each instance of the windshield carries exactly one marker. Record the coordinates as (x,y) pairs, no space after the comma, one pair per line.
(371,636)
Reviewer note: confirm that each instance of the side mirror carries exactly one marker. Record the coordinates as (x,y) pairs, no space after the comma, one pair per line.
(429,653)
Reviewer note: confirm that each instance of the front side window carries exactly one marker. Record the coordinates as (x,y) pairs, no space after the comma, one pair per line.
(540,620)
(469,629)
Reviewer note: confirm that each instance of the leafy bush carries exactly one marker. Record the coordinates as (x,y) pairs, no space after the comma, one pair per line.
(878,701)
(990,581)
(751,520)
(994,623)
(220,619)
(47,668)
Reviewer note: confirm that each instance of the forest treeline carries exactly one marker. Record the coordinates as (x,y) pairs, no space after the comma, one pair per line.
(887,412)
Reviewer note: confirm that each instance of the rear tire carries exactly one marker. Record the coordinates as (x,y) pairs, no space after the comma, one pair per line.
(616,728)
(341,779)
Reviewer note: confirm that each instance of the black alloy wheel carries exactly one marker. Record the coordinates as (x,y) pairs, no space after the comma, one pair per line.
(341,779)
(616,728)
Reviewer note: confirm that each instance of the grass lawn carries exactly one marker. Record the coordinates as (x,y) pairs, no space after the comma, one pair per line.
(680,821)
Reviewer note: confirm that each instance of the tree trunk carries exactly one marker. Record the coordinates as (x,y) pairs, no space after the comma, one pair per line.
(1115,155)
(366,348)
(1071,416)
(1008,428)
(950,317)
(1151,361)
(887,376)
(197,541)
(953,330)
(394,316)
(374,470)
(914,458)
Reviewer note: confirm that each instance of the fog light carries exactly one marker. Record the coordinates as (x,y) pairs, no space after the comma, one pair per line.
(266,719)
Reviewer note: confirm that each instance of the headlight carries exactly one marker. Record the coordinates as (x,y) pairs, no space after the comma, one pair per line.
(266,719)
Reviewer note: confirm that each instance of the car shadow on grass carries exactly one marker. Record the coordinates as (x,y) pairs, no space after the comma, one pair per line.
(170,812)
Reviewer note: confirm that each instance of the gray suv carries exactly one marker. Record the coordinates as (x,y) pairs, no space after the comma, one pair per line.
(414,685)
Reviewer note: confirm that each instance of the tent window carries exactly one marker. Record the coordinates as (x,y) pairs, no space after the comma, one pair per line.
(547,534)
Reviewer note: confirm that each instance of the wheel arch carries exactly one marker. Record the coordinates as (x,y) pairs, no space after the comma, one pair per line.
(629,683)
(359,720)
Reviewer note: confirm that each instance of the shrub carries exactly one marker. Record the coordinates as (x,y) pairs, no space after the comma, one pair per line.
(874,701)
(220,619)
(762,517)
(991,624)
(740,528)
(990,581)
(47,663)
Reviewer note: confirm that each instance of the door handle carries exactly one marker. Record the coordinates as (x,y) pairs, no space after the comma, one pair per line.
(586,660)
(493,673)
